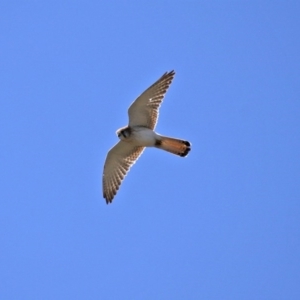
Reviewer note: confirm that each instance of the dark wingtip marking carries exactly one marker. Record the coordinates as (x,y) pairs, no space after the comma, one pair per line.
(108,198)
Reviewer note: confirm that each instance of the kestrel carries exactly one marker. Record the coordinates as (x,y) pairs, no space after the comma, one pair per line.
(143,114)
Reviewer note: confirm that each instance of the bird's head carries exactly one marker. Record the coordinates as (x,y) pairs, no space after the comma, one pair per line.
(123,133)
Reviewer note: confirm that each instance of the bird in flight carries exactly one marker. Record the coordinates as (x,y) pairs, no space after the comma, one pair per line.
(143,114)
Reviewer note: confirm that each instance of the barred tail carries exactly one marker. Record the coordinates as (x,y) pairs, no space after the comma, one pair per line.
(175,146)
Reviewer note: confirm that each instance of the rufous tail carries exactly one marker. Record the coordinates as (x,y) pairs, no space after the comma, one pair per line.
(175,146)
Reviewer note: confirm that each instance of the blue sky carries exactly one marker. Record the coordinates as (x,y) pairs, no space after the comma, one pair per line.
(222,223)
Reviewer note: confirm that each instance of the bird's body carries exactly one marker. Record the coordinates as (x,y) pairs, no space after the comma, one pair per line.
(143,114)
(139,136)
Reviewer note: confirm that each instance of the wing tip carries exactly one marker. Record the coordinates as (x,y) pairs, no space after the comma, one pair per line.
(109,196)
(108,199)
(170,74)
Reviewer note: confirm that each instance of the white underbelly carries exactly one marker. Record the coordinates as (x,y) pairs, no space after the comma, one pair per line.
(144,137)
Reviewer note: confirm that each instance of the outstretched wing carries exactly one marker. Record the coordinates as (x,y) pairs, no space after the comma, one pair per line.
(118,162)
(144,110)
